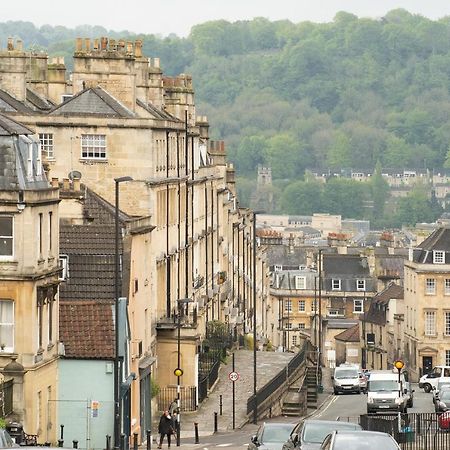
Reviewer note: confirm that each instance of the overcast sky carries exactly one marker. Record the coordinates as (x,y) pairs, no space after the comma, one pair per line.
(178,16)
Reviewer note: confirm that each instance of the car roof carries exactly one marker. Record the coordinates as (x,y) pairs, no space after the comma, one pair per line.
(331,422)
(279,424)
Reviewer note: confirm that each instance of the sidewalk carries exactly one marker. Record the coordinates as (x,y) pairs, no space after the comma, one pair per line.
(268,364)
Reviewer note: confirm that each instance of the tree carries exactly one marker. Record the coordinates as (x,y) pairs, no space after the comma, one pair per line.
(302,197)
(379,190)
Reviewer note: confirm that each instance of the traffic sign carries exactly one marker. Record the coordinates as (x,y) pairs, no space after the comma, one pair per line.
(233,376)
(178,372)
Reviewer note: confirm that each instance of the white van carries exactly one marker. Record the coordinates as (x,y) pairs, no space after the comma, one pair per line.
(346,379)
(431,380)
(386,393)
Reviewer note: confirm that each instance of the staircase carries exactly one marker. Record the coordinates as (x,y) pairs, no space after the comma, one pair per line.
(312,381)
(293,402)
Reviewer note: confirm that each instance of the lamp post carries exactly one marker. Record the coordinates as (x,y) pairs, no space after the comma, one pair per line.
(178,372)
(255,410)
(117,411)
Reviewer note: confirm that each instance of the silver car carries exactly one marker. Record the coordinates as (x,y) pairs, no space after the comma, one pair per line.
(271,436)
(359,440)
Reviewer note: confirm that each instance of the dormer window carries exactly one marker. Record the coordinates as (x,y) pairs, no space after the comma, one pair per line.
(438,257)
(360,285)
(336,284)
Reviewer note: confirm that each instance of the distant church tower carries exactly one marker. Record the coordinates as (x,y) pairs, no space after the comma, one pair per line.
(262,198)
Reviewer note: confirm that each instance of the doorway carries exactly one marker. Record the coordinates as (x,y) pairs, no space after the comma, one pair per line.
(427,364)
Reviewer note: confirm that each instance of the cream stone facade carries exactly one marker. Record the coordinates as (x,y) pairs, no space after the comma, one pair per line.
(119,116)
(29,271)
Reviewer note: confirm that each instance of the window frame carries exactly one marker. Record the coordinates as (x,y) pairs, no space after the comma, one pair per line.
(429,328)
(338,281)
(361,288)
(447,357)
(287,305)
(10,256)
(299,282)
(438,257)
(359,301)
(92,148)
(447,286)
(430,282)
(446,324)
(9,349)
(301,306)
(47,145)
(64,265)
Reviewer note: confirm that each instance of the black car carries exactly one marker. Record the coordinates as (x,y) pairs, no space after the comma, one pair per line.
(271,436)
(309,434)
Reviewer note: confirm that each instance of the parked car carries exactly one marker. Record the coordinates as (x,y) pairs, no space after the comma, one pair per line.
(271,436)
(441,387)
(359,440)
(6,440)
(430,380)
(309,434)
(346,379)
(443,402)
(386,392)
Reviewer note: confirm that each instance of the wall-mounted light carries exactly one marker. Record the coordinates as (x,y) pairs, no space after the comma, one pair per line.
(20,207)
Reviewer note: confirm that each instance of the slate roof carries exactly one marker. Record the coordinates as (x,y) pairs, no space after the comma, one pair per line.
(10,127)
(157,112)
(350,265)
(87,329)
(93,102)
(392,291)
(337,324)
(349,335)
(379,304)
(283,255)
(11,105)
(38,101)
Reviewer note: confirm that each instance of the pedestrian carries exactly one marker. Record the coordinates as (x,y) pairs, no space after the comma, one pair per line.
(173,406)
(165,428)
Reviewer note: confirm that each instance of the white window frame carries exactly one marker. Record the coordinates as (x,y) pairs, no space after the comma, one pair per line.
(288,325)
(287,305)
(446,323)
(430,323)
(438,257)
(301,306)
(93,146)
(47,147)
(8,348)
(300,282)
(447,286)
(336,284)
(360,285)
(430,286)
(302,326)
(294,340)
(8,237)
(64,265)
(277,268)
(360,303)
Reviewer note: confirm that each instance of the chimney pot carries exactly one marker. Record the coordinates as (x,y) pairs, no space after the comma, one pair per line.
(66,184)
(112,45)
(138,48)
(76,184)
(10,44)
(129,48)
(95,44)
(88,44)
(79,45)
(55,182)
(156,63)
(19,45)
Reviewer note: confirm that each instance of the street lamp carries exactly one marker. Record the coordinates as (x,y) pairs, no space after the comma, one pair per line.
(178,372)
(117,411)
(255,410)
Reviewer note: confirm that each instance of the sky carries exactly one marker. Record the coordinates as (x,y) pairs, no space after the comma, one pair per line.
(164,17)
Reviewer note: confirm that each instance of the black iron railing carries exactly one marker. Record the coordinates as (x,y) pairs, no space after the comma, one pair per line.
(188,397)
(6,398)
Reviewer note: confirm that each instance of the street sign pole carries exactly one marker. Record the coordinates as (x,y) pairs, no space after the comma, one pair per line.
(234,398)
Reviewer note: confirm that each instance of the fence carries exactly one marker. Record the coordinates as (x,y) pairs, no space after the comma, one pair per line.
(277,381)
(6,398)
(413,431)
(188,397)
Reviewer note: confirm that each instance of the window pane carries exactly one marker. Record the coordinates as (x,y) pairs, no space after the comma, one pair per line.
(6,225)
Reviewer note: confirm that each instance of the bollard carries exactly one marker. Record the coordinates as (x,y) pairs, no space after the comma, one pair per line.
(74,443)
(108,442)
(215,422)
(135,441)
(149,440)
(220,404)
(122,441)
(197,441)
(62,432)
(60,442)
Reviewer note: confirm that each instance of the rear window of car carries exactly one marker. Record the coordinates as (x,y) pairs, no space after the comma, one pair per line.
(316,432)
(359,442)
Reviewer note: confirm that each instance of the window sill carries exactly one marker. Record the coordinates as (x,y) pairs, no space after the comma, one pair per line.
(91,161)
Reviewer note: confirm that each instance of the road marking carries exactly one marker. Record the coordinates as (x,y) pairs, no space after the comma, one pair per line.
(325,408)
(224,445)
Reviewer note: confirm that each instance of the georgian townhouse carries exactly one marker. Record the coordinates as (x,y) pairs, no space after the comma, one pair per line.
(427,303)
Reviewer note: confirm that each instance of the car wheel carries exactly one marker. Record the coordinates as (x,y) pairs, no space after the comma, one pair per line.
(336,392)
(427,388)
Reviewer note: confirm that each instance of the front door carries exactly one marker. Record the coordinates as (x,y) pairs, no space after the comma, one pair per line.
(427,364)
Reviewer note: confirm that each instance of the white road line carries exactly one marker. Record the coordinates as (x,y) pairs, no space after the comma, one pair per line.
(224,445)
(326,407)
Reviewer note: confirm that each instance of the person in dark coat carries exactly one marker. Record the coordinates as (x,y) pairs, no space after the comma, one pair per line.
(165,428)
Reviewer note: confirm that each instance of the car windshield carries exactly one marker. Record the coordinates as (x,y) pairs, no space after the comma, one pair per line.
(316,432)
(383,385)
(356,442)
(445,396)
(276,433)
(346,373)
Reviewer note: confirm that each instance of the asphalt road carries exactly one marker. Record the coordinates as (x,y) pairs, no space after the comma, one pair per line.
(342,407)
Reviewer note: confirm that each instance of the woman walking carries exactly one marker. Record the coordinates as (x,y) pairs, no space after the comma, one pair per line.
(165,428)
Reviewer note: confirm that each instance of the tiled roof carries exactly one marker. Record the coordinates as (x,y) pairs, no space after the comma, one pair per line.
(438,240)
(392,291)
(283,255)
(156,112)
(38,101)
(87,329)
(9,104)
(93,102)
(349,335)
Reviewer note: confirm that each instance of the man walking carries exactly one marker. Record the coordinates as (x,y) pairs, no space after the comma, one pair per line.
(165,428)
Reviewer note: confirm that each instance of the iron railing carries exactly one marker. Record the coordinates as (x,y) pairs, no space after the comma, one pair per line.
(277,381)
(188,397)
(6,398)
(412,431)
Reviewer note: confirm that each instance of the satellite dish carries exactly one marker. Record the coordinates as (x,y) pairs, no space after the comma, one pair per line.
(74,174)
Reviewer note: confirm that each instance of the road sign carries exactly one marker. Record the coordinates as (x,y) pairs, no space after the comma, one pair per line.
(233,376)
(178,372)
